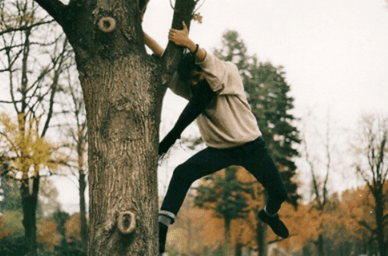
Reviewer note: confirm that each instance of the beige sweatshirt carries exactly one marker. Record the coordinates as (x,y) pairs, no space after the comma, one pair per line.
(227,121)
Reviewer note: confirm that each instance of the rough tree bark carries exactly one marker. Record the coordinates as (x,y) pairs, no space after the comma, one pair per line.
(123,90)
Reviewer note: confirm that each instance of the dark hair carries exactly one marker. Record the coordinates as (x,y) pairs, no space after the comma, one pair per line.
(186,66)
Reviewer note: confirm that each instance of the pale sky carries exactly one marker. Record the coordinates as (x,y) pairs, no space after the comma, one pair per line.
(334,53)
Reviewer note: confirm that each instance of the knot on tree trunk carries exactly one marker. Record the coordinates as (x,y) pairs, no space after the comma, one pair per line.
(126,222)
(107,24)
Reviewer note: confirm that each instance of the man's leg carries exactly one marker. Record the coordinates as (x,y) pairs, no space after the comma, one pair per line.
(201,164)
(258,161)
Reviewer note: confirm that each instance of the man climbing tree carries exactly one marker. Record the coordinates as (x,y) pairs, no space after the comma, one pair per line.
(123,88)
(218,102)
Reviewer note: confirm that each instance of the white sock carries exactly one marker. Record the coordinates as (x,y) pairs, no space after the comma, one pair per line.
(271,215)
(167,218)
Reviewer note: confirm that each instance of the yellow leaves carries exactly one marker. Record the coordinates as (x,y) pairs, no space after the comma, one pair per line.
(48,234)
(197,17)
(73,228)
(29,151)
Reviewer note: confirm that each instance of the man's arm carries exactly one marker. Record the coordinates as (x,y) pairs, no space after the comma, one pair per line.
(200,100)
(153,45)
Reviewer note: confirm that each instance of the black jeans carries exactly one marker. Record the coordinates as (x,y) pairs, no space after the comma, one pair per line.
(253,156)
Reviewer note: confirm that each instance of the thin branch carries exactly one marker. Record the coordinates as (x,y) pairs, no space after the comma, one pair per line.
(199,7)
(54,85)
(23,28)
(9,102)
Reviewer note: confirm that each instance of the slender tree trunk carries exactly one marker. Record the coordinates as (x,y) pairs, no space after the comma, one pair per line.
(82,184)
(82,204)
(262,236)
(320,244)
(238,250)
(189,238)
(29,193)
(379,216)
(227,237)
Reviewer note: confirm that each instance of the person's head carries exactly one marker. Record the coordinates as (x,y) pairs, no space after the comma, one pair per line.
(189,71)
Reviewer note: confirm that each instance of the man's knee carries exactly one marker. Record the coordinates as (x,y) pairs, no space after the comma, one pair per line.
(182,173)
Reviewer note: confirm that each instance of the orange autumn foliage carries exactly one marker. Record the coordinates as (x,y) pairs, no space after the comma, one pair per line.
(3,232)
(48,233)
(357,210)
(73,228)
(207,230)
(198,229)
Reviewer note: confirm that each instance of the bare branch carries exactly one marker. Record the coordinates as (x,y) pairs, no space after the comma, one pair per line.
(54,85)
(366,225)
(23,28)
(9,102)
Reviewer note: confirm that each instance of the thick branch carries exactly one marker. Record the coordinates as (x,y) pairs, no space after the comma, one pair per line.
(173,53)
(54,7)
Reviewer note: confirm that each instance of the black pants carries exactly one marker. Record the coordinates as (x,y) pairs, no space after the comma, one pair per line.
(253,156)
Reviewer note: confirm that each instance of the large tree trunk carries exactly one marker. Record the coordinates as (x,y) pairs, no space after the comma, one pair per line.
(29,190)
(121,116)
(123,90)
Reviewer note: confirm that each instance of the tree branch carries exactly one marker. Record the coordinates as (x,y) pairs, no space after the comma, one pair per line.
(366,225)
(54,7)
(182,12)
(25,27)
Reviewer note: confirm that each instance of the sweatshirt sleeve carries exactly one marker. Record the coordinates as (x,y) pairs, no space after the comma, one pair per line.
(202,96)
(223,77)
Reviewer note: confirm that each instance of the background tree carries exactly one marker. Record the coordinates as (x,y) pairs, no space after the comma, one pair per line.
(11,195)
(48,234)
(14,243)
(33,55)
(31,156)
(319,164)
(60,218)
(356,213)
(123,88)
(76,135)
(225,196)
(372,148)
(3,232)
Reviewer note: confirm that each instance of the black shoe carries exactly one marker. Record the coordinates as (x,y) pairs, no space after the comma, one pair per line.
(162,237)
(275,223)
